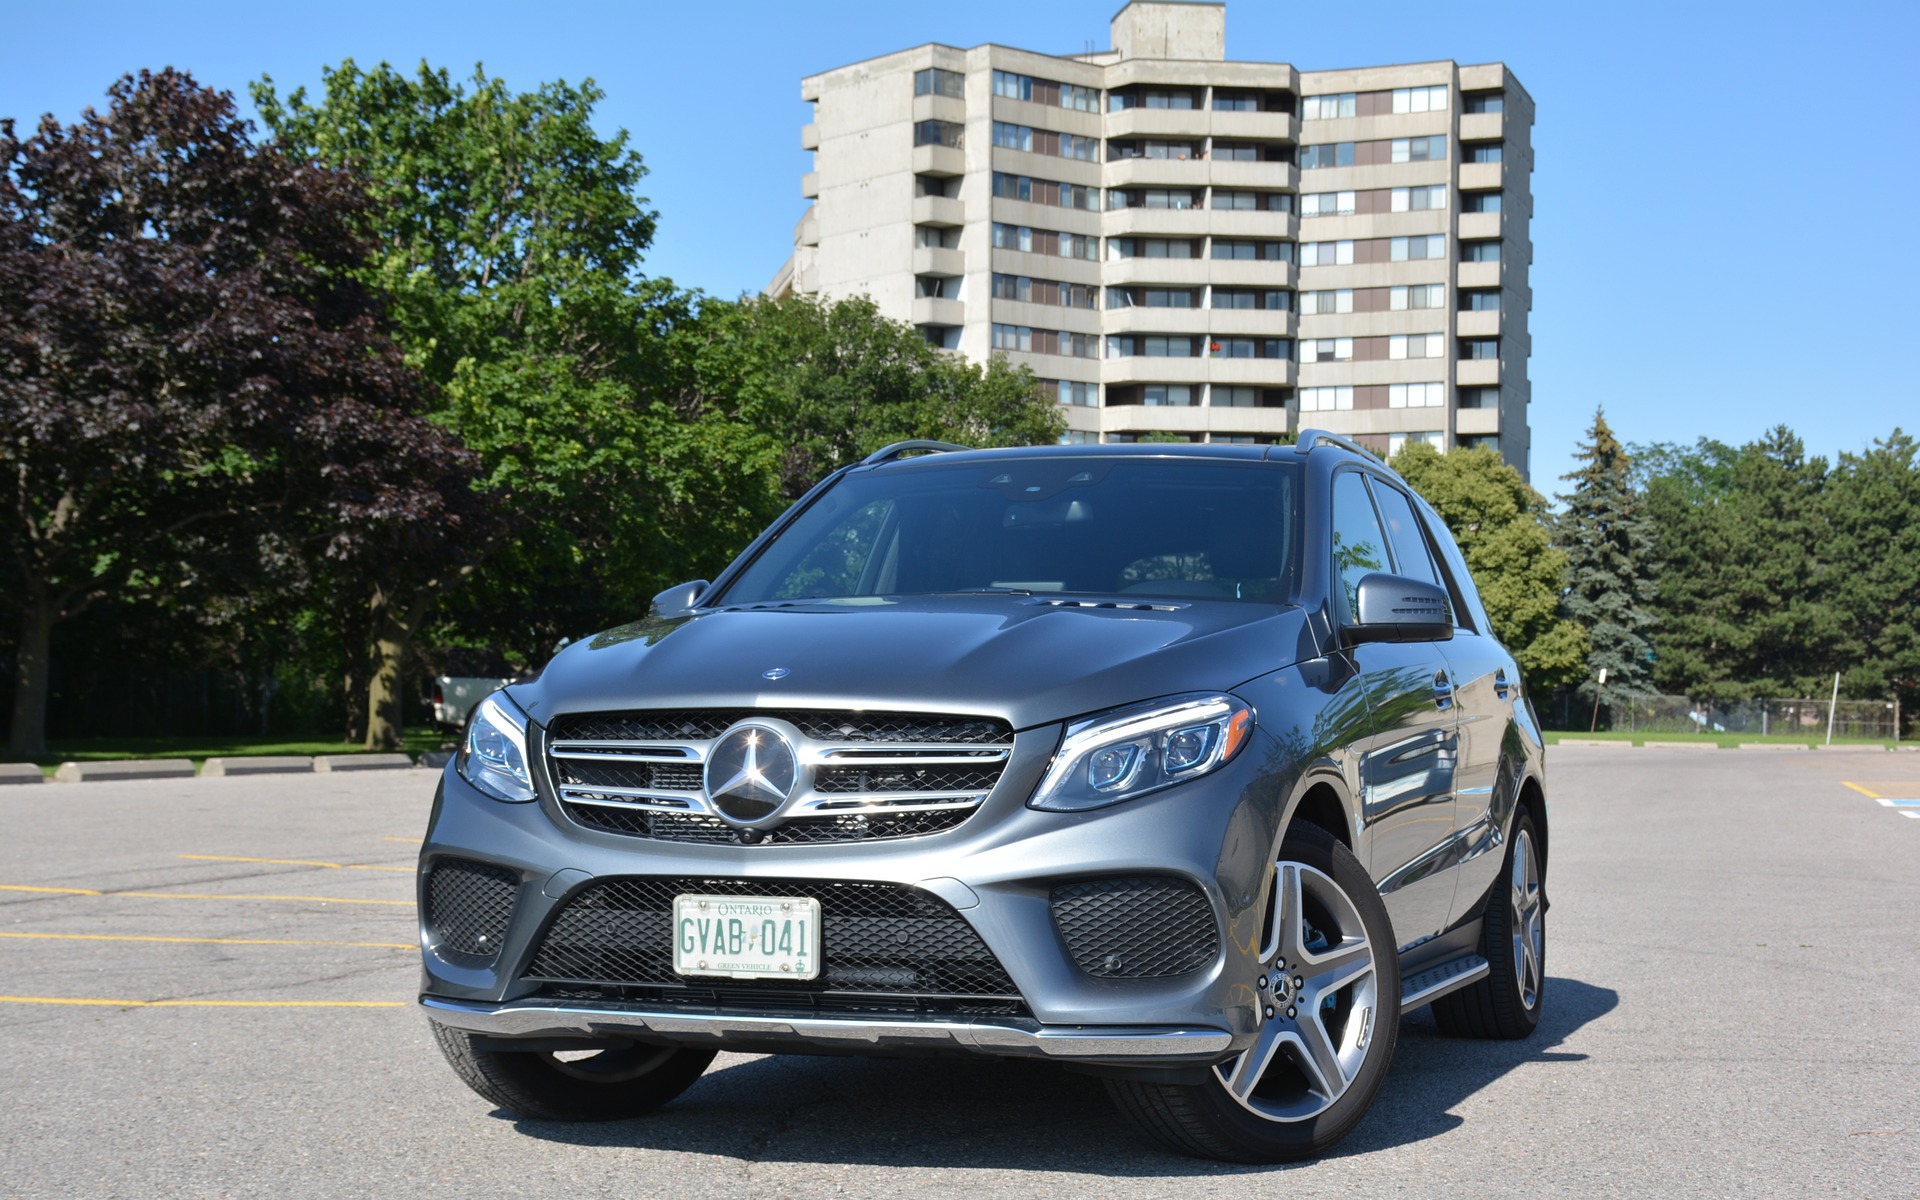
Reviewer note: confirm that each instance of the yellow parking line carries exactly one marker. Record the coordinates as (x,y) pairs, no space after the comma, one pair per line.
(293,862)
(21,887)
(203,1003)
(410,841)
(221,896)
(128,937)
(1863,791)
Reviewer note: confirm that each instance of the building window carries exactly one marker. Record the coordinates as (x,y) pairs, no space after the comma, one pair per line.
(1420,99)
(1324,399)
(1420,149)
(1480,301)
(1481,152)
(1230,248)
(1252,201)
(1043,291)
(1419,199)
(1413,249)
(1480,202)
(1326,254)
(1155,345)
(1150,98)
(1327,204)
(936,287)
(1329,154)
(1325,108)
(1417,395)
(1045,341)
(1317,350)
(1013,337)
(1133,247)
(1483,102)
(1079,437)
(1324,303)
(936,237)
(1046,191)
(1479,348)
(1243,347)
(1423,295)
(1069,391)
(1479,397)
(1045,241)
(1235,101)
(1139,297)
(1012,137)
(1045,141)
(1396,442)
(1045,91)
(935,82)
(1480,252)
(1272,299)
(1174,198)
(1234,397)
(1417,345)
(1481,441)
(937,133)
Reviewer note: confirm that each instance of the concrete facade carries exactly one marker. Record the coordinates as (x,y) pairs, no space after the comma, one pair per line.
(1150,228)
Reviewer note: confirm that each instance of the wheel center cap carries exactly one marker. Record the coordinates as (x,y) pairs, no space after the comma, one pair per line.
(1282,988)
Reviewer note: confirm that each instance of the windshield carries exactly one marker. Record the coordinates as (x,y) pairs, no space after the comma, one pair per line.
(1149,527)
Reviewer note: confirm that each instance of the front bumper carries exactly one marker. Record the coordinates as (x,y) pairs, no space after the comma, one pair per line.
(1144,1045)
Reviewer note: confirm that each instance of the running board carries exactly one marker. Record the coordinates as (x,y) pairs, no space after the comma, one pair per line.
(1435,982)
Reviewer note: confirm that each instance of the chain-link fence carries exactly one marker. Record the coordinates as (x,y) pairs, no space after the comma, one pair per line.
(1682,714)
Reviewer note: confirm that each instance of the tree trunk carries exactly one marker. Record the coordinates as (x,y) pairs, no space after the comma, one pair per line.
(354,638)
(389,647)
(33,662)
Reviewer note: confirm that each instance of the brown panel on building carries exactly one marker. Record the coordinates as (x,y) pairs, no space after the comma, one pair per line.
(1366,300)
(1371,395)
(1372,250)
(1376,442)
(1368,349)
(1372,154)
(1375,200)
(1373,104)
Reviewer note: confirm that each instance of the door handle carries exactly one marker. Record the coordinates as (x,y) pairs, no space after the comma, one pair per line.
(1442,690)
(1500,684)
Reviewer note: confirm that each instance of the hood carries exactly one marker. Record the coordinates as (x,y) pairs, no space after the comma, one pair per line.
(1022,658)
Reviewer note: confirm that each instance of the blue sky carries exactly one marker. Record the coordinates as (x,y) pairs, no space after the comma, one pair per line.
(1723,231)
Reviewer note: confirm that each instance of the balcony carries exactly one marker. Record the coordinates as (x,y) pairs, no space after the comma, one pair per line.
(1264,175)
(933,107)
(928,310)
(1261,372)
(1476,226)
(1478,324)
(810,185)
(938,210)
(1245,272)
(1263,226)
(1158,222)
(806,231)
(1157,123)
(1194,419)
(1481,177)
(1157,172)
(1250,322)
(1154,320)
(1477,372)
(1478,275)
(1141,369)
(1175,272)
(1255,126)
(1476,420)
(939,160)
(810,136)
(935,260)
(1481,127)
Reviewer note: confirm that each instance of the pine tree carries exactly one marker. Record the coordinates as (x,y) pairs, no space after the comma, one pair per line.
(1608,539)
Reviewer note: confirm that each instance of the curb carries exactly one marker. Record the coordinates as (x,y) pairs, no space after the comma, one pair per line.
(1771,746)
(265,764)
(362,762)
(124,768)
(1593,742)
(20,773)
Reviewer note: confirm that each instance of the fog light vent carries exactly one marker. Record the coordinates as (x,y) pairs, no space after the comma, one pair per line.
(1148,927)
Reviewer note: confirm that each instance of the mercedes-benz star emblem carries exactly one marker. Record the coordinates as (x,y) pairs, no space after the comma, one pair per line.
(750,773)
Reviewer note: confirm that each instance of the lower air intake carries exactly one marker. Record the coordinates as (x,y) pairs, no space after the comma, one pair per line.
(468,905)
(1149,927)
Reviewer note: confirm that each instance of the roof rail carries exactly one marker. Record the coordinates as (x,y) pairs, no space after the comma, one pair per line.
(1309,438)
(887,454)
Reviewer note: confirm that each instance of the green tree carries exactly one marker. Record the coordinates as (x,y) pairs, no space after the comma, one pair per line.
(1873,545)
(183,347)
(511,237)
(1608,540)
(1741,572)
(1500,525)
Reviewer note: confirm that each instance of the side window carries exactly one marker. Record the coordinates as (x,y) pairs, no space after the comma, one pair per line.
(1468,613)
(1410,555)
(1359,548)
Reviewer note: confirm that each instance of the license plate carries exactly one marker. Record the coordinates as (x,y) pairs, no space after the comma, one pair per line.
(747,937)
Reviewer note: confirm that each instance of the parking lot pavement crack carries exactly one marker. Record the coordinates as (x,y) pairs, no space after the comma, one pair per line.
(780,1123)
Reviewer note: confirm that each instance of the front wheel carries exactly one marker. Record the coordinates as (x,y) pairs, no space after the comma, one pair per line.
(1328,987)
(605,1084)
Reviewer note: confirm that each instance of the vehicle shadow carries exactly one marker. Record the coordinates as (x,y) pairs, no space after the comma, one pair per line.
(1029,1116)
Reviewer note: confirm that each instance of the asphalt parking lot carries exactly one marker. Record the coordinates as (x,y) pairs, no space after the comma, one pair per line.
(208,983)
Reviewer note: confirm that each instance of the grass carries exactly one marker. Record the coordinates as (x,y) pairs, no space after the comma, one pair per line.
(1726,741)
(416,742)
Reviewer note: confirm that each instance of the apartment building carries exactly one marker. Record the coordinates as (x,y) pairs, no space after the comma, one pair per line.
(1184,246)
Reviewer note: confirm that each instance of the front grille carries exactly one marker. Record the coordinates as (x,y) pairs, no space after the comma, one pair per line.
(878,940)
(869,776)
(822,725)
(468,906)
(1143,928)
(711,831)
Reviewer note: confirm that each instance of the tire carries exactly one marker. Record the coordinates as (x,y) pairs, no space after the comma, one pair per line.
(1309,1078)
(616,1083)
(1513,940)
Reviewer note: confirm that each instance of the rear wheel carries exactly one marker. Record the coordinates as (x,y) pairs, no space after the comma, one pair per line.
(606,1084)
(1329,1014)
(1513,939)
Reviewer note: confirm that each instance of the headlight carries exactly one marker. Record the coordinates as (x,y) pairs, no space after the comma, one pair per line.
(494,756)
(1131,751)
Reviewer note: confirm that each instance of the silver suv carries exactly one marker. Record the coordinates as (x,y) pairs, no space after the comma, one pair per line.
(1191,767)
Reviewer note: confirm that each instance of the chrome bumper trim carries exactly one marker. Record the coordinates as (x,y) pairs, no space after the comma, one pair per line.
(1000,1039)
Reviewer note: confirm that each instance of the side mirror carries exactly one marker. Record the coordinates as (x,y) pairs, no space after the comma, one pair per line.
(678,600)
(1393,608)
